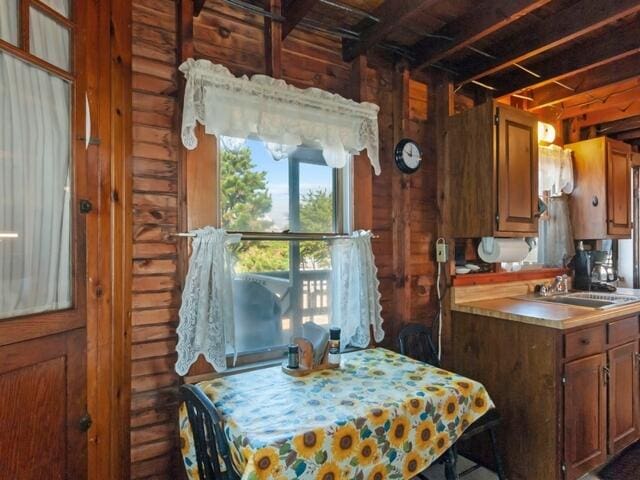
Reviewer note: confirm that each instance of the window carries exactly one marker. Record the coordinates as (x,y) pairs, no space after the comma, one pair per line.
(285,201)
(36,174)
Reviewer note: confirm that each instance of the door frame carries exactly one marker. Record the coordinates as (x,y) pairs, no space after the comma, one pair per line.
(109,92)
(104,34)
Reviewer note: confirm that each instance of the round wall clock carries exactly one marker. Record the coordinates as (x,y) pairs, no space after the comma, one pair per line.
(408,156)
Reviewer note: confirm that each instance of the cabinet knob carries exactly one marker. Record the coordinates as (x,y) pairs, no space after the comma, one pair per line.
(585,341)
(595,201)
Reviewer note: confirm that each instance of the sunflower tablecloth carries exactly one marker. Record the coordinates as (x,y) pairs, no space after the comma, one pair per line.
(381,415)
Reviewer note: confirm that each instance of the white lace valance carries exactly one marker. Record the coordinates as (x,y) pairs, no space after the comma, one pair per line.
(276,112)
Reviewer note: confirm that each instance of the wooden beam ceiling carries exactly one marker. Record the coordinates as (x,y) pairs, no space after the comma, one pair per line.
(573,60)
(565,26)
(273,39)
(392,14)
(619,126)
(624,100)
(198,5)
(629,135)
(602,76)
(483,20)
(608,115)
(294,11)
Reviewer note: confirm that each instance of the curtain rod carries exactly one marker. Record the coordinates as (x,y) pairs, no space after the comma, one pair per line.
(275,236)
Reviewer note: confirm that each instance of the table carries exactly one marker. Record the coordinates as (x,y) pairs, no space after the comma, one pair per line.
(381,415)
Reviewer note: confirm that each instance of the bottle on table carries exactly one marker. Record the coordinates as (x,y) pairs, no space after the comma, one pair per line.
(334,346)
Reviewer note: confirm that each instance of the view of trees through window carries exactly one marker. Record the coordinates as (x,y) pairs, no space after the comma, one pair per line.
(279,285)
(247,204)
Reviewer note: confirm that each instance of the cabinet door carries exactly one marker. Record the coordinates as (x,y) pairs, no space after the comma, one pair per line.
(623,396)
(517,142)
(584,415)
(618,189)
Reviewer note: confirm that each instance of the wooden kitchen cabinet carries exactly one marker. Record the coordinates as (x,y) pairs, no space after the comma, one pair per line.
(601,201)
(492,185)
(585,417)
(569,399)
(623,396)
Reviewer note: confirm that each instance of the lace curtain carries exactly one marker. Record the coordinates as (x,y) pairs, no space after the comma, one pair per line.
(555,244)
(276,112)
(206,315)
(355,296)
(35,168)
(555,170)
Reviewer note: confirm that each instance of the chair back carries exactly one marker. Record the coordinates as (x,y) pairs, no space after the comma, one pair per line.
(415,341)
(208,435)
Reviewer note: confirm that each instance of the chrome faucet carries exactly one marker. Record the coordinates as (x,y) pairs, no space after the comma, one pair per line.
(560,285)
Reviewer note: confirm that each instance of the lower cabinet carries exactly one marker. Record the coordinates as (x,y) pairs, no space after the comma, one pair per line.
(585,415)
(601,406)
(569,399)
(624,400)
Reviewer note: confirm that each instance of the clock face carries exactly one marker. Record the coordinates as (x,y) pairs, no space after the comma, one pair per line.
(408,156)
(411,155)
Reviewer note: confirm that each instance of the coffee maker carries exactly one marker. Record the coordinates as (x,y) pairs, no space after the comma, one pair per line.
(593,271)
(581,264)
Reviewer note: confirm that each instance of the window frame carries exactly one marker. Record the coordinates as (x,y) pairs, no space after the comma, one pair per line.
(74,316)
(343,189)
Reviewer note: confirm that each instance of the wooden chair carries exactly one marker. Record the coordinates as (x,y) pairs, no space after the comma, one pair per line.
(415,341)
(212,449)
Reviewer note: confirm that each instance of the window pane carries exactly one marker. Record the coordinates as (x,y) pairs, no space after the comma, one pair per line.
(262,295)
(35,217)
(48,39)
(272,188)
(317,212)
(61,6)
(271,300)
(9,21)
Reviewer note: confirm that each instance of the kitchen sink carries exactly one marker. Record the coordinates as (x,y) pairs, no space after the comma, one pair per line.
(591,299)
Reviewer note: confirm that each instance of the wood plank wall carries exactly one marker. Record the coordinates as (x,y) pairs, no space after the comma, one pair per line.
(235,39)
(154,444)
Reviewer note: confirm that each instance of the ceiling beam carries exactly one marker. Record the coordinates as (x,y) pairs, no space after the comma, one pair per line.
(609,115)
(481,21)
(618,44)
(599,77)
(273,39)
(619,126)
(629,135)
(563,27)
(592,103)
(294,11)
(198,5)
(392,14)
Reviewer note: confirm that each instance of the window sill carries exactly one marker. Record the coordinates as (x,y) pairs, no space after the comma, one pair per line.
(248,367)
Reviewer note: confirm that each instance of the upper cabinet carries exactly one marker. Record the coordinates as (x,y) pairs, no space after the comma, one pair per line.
(601,200)
(492,183)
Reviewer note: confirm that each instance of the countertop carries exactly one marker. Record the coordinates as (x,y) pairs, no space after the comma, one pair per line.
(551,315)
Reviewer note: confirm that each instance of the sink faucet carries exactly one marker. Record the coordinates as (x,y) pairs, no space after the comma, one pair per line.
(559,285)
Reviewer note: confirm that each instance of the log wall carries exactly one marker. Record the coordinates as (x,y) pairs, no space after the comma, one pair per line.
(154,437)
(403,207)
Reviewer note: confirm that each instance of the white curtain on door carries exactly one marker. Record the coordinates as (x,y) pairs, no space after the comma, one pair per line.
(355,292)
(35,154)
(206,314)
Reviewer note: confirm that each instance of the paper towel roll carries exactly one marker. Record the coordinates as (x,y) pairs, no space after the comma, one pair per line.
(494,250)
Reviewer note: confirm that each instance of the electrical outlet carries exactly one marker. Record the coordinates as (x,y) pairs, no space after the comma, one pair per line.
(442,252)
